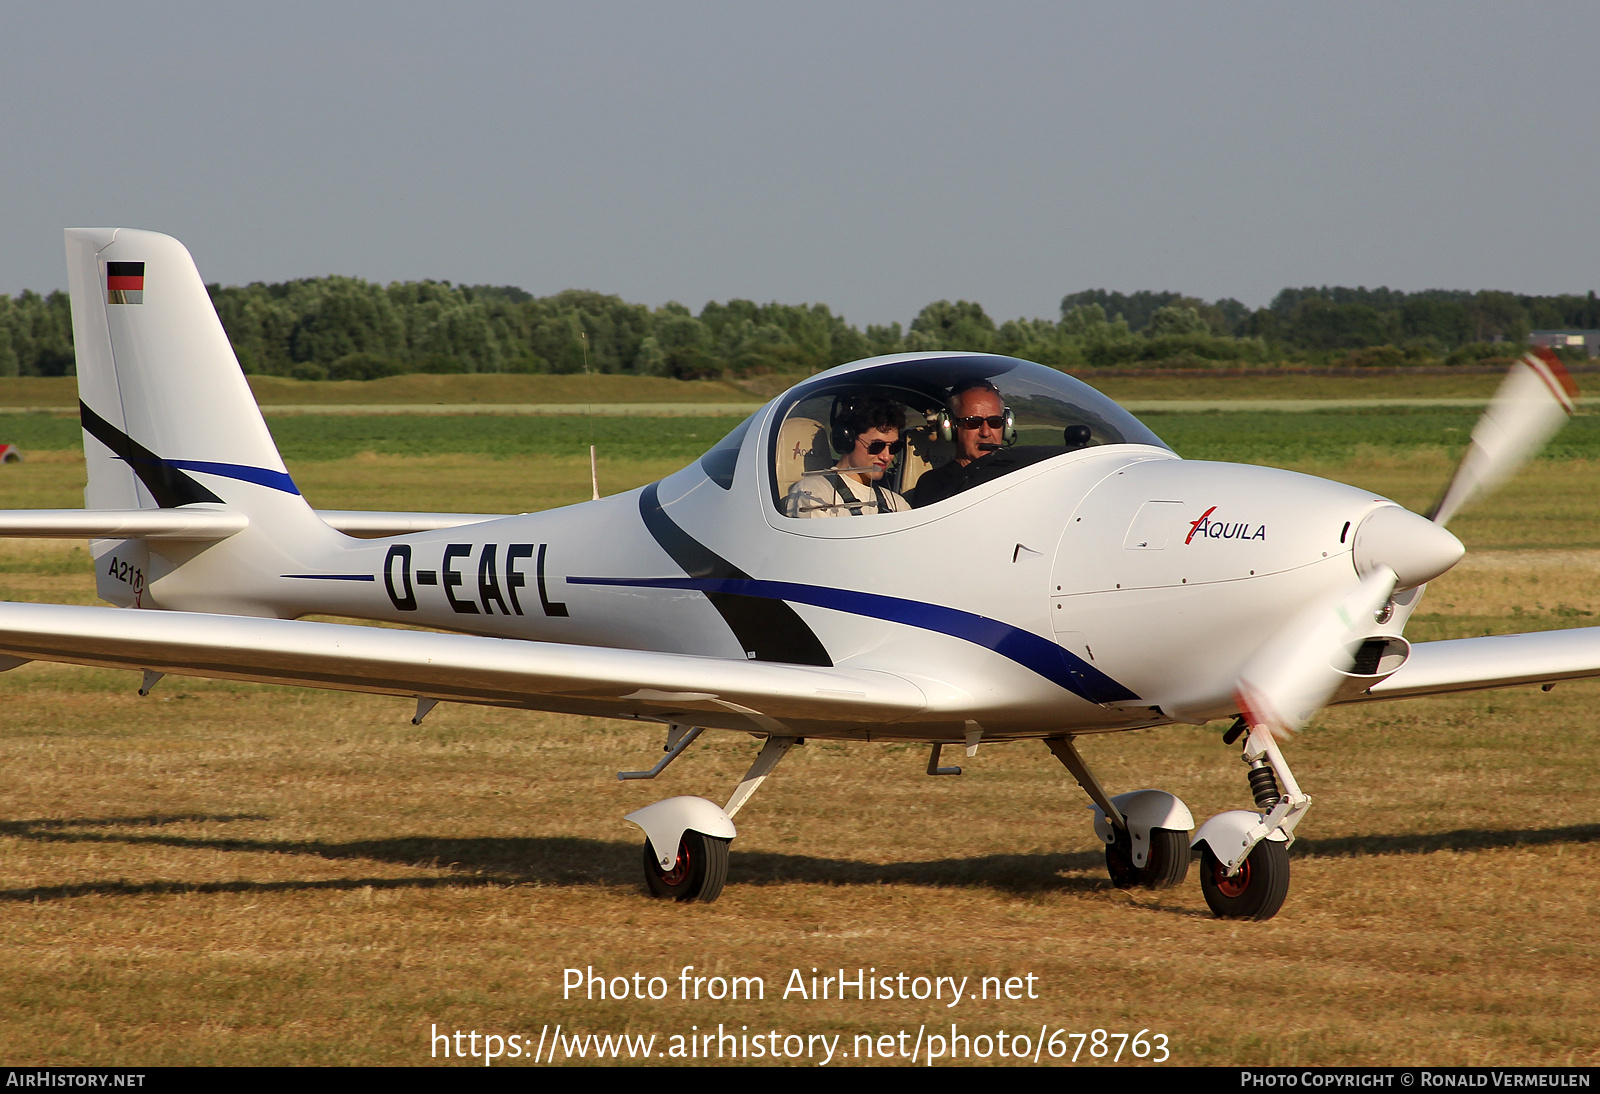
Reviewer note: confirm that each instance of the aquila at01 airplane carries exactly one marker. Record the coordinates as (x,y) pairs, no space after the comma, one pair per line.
(1083,579)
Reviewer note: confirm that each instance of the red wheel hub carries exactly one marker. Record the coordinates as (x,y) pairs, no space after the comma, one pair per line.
(1231,887)
(680,869)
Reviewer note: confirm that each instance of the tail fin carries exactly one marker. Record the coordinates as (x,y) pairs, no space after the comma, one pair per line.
(168,418)
(162,394)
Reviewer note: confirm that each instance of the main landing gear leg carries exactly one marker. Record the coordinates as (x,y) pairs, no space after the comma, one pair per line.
(1244,856)
(1146,832)
(774,750)
(699,832)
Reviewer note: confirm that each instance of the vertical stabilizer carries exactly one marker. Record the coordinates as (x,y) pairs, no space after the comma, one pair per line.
(165,405)
(168,420)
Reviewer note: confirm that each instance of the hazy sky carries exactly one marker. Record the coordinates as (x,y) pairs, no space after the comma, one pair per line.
(872,156)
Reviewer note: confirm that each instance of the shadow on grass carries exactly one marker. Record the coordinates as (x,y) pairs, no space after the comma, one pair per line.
(549,860)
(1464,839)
(570,861)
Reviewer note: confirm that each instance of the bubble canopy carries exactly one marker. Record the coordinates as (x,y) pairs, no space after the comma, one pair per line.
(1054,413)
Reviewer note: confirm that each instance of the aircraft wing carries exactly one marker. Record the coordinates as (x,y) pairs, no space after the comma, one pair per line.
(1496,661)
(614,683)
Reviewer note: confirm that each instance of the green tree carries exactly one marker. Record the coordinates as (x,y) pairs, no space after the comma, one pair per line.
(1321,324)
(9,365)
(960,326)
(1497,317)
(1438,323)
(1171,320)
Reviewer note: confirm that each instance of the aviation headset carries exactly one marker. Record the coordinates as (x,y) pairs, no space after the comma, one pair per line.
(945,422)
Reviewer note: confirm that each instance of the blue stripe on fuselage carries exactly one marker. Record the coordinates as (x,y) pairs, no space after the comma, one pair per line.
(1032,651)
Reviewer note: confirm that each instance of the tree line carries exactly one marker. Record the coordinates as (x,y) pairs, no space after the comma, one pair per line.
(344,328)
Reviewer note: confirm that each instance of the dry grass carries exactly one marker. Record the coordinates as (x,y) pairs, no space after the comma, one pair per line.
(236,874)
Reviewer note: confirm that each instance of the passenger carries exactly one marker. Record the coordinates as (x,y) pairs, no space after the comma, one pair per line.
(979,418)
(866,430)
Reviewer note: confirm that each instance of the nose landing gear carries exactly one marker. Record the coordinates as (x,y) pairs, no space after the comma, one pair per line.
(1244,855)
(1255,891)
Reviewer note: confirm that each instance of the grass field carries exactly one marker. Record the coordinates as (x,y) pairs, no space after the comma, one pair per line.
(1280,437)
(62,391)
(225,873)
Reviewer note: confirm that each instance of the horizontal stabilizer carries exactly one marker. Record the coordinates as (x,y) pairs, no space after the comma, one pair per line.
(200,523)
(188,522)
(1496,661)
(373,525)
(597,681)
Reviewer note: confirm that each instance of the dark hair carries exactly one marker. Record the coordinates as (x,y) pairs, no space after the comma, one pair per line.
(853,415)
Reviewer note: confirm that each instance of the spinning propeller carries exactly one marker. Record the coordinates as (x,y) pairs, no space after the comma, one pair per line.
(1296,672)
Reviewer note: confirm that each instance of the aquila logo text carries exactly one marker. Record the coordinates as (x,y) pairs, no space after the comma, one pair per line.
(1207,528)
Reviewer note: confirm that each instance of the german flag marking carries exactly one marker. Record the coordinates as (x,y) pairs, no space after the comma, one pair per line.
(125,282)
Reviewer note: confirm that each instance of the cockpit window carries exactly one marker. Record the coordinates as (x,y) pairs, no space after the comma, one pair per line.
(1028,413)
(722,458)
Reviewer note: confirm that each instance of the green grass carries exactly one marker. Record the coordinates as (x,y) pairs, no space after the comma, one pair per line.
(1267,437)
(1287,437)
(41,431)
(336,437)
(1272,384)
(322,437)
(61,391)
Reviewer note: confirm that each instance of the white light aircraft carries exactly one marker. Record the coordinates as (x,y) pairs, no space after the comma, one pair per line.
(1082,579)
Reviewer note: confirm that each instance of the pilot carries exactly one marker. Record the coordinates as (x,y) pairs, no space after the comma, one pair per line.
(978,413)
(866,429)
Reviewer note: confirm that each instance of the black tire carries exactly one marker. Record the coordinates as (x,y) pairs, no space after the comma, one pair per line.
(699,873)
(1257,891)
(1166,867)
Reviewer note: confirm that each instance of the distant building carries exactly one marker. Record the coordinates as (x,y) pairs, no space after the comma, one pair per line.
(1567,339)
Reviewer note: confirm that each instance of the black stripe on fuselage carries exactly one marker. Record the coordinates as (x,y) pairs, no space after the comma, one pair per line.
(768,630)
(169,486)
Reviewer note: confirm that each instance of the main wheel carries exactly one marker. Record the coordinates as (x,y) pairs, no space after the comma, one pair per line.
(1257,891)
(699,873)
(1166,866)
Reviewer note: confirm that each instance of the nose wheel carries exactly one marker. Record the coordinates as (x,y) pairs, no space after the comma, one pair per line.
(1256,891)
(698,873)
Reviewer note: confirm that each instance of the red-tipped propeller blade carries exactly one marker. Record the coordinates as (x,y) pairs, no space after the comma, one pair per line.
(1534,400)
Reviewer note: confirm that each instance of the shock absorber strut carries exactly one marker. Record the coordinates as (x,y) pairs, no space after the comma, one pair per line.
(1263,784)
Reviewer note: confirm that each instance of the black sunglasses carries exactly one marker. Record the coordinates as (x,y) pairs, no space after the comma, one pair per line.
(894,447)
(996,421)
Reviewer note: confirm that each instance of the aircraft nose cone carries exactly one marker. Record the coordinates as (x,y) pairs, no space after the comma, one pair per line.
(1415,548)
